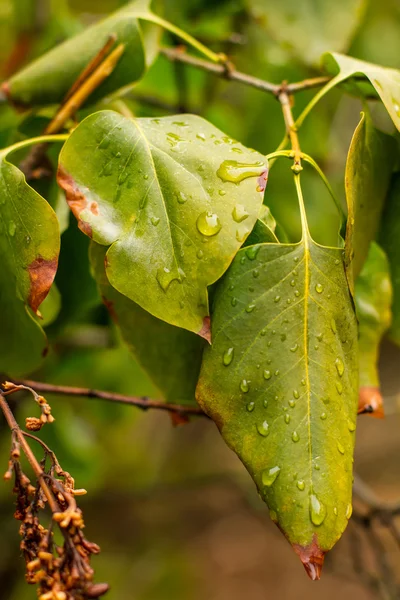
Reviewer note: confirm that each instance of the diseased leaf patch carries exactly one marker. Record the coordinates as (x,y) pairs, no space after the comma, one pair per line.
(173,199)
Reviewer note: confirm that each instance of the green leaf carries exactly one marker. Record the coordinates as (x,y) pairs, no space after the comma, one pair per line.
(389,240)
(369,165)
(280,381)
(366,79)
(309,27)
(169,199)
(47,80)
(29,248)
(171,356)
(373,299)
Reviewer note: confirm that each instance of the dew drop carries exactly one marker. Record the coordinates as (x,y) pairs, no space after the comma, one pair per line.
(274,516)
(239,213)
(317,510)
(208,224)
(244,386)
(287,419)
(349,511)
(283,337)
(277,298)
(265,403)
(296,259)
(234,301)
(252,251)
(27,240)
(201,136)
(250,406)
(295,436)
(333,326)
(12,228)
(235,172)
(293,283)
(166,276)
(294,348)
(297,293)
(268,477)
(339,387)
(319,288)
(323,416)
(292,403)
(339,367)
(243,260)
(256,273)
(335,511)
(267,374)
(222,192)
(200,254)
(228,356)
(303,382)
(263,428)
(250,308)
(181,197)
(296,394)
(337,261)
(319,337)
(263,332)
(351,426)
(340,448)
(277,372)
(155,221)
(301,485)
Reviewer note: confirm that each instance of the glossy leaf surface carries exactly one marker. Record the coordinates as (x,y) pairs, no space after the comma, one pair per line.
(171,356)
(29,248)
(170,199)
(373,304)
(47,80)
(309,27)
(370,161)
(389,239)
(280,381)
(366,79)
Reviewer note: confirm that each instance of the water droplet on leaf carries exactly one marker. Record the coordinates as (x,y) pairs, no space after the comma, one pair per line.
(228,356)
(317,510)
(208,224)
(268,477)
(263,428)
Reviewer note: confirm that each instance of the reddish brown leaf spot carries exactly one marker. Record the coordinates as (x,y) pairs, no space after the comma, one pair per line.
(41,275)
(312,558)
(110,307)
(370,402)
(205,331)
(178,419)
(77,201)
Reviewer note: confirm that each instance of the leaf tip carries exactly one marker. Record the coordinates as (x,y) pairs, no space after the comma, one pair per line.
(312,558)
(370,402)
(205,331)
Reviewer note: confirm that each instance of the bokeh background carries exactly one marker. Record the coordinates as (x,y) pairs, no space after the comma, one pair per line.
(175,513)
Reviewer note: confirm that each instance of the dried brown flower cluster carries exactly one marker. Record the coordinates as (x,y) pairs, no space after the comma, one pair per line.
(61,571)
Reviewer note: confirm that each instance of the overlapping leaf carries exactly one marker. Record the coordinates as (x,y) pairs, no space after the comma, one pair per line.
(171,356)
(373,304)
(389,238)
(280,381)
(369,166)
(311,26)
(170,199)
(47,80)
(366,79)
(29,248)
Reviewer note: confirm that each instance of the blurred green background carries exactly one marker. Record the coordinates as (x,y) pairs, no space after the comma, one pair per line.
(175,513)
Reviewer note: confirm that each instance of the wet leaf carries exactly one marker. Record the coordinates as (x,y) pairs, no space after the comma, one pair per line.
(170,199)
(373,304)
(369,166)
(47,80)
(29,248)
(280,381)
(309,27)
(366,79)
(171,356)
(389,240)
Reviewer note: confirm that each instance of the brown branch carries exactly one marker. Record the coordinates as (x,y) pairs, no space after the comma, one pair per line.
(286,103)
(228,71)
(143,403)
(88,81)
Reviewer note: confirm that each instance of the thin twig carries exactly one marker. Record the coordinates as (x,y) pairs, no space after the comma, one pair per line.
(143,403)
(37,469)
(229,72)
(286,103)
(89,80)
